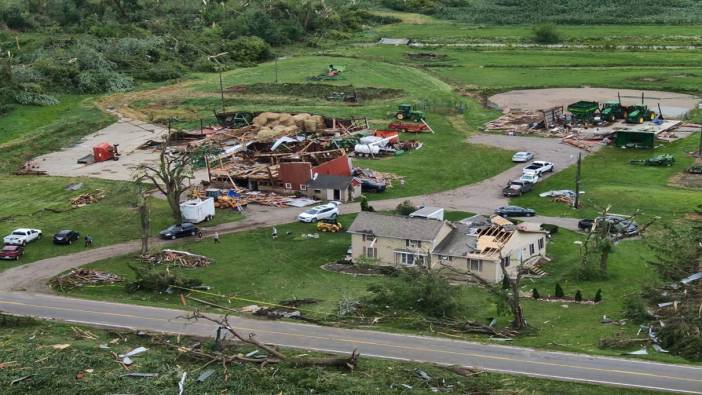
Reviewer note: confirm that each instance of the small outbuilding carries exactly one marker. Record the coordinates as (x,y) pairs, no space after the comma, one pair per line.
(635,139)
(327,187)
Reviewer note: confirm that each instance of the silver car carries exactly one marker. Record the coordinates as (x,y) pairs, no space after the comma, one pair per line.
(522,156)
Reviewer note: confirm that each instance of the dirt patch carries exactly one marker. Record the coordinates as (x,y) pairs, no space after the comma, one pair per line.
(672,103)
(358,270)
(315,91)
(686,180)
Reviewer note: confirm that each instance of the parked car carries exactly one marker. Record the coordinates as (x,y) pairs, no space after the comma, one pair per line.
(369,185)
(66,236)
(619,225)
(522,156)
(517,188)
(177,231)
(11,252)
(22,236)
(531,178)
(324,211)
(514,211)
(539,167)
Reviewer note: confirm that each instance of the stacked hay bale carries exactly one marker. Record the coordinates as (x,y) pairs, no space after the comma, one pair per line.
(273,125)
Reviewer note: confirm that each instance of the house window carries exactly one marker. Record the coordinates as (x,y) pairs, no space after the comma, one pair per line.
(531,249)
(475,265)
(288,185)
(303,187)
(446,258)
(505,261)
(409,259)
(541,243)
(370,252)
(317,191)
(413,243)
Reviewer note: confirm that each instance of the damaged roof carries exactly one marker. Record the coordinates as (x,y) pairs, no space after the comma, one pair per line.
(396,227)
(459,242)
(324,181)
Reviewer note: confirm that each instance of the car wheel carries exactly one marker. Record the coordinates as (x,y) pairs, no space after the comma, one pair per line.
(173,237)
(333,216)
(70,242)
(530,214)
(192,233)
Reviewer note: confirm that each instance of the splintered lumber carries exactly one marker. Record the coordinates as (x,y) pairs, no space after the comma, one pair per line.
(176,258)
(87,198)
(81,277)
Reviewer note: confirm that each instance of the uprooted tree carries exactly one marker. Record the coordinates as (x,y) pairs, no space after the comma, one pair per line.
(171,175)
(272,354)
(600,243)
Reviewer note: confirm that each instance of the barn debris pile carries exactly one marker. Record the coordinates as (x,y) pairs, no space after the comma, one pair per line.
(176,258)
(81,277)
(85,199)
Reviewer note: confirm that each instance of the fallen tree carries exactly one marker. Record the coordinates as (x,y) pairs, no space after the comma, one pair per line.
(269,354)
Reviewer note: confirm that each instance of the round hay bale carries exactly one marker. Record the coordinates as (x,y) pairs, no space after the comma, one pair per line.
(266,134)
(319,121)
(284,118)
(272,124)
(309,125)
(260,119)
(299,119)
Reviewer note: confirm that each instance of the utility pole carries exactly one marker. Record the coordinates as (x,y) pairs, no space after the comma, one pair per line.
(276,69)
(699,150)
(576,202)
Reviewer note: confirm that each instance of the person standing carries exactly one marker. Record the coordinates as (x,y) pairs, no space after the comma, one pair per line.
(274,233)
(216,237)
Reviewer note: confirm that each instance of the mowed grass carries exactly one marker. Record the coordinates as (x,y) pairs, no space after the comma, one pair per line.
(430,30)
(27,201)
(609,180)
(29,131)
(27,350)
(251,268)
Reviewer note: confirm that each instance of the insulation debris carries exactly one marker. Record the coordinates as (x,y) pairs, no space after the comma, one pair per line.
(87,198)
(82,277)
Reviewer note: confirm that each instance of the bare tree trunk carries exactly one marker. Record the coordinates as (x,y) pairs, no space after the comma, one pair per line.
(144,214)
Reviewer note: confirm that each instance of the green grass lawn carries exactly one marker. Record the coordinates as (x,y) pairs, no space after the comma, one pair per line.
(109,221)
(251,268)
(29,131)
(27,350)
(609,179)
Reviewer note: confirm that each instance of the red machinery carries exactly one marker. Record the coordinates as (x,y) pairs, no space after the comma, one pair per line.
(388,133)
(101,153)
(410,127)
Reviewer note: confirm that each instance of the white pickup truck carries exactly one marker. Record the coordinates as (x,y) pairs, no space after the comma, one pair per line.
(22,236)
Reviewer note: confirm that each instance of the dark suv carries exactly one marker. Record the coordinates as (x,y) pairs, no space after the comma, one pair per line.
(65,236)
(369,185)
(180,230)
(618,225)
(517,188)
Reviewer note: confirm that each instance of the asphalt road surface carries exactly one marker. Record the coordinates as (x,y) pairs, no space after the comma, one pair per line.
(495,358)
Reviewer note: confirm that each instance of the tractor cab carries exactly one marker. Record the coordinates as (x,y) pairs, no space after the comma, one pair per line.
(612,110)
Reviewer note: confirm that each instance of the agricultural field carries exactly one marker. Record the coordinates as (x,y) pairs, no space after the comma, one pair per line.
(59,361)
(252,268)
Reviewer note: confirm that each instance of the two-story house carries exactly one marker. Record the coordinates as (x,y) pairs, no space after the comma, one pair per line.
(478,244)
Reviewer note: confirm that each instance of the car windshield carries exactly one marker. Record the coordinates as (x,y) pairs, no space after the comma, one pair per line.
(19,233)
(63,233)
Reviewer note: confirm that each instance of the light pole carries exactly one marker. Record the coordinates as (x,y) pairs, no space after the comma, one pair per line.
(219,69)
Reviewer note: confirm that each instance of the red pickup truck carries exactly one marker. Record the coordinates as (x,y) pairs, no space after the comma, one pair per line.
(11,252)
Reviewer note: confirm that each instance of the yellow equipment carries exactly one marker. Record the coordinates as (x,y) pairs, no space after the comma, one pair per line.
(329,225)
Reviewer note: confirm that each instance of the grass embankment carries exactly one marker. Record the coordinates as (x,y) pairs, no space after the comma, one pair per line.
(83,367)
(609,179)
(251,268)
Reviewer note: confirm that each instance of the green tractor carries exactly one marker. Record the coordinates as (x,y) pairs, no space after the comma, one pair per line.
(639,113)
(612,110)
(658,160)
(405,112)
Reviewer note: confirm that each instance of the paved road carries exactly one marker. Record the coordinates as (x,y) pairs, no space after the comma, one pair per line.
(497,358)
